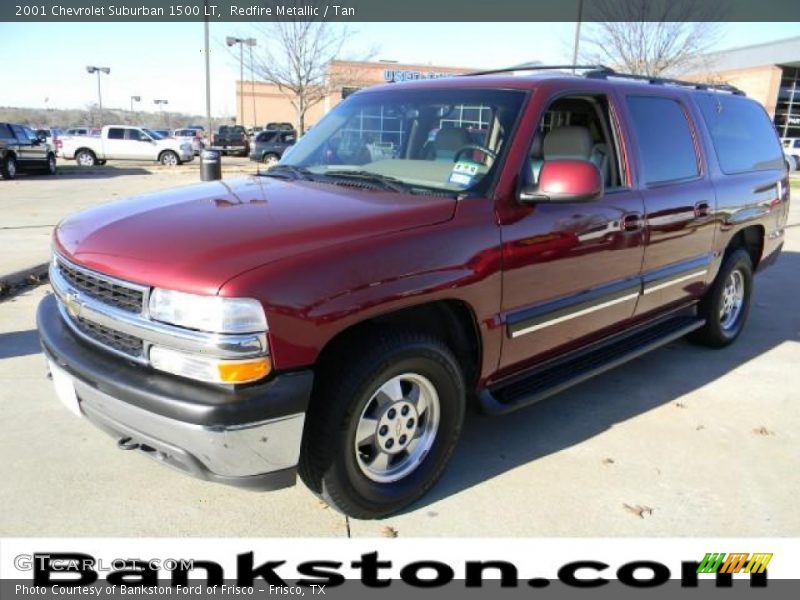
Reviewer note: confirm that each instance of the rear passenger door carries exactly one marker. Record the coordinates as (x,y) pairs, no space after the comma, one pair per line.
(678,197)
(25,154)
(114,144)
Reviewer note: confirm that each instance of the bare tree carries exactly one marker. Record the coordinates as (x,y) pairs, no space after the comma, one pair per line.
(651,37)
(296,59)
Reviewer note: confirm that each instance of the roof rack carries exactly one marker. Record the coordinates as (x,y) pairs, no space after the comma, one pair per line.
(721,87)
(604,72)
(538,67)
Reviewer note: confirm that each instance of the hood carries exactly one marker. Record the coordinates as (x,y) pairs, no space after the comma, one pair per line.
(195,238)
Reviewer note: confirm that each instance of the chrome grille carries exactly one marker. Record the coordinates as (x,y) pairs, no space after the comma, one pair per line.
(104,290)
(115,340)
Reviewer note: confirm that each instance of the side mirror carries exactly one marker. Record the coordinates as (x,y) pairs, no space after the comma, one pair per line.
(564,180)
(41,138)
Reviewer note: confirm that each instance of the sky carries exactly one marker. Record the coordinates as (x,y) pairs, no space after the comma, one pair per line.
(165,60)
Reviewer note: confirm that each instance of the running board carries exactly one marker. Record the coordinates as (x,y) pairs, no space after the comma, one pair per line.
(576,367)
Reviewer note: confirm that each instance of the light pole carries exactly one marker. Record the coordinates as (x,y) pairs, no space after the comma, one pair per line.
(577,34)
(250,43)
(134,99)
(90,69)
(230,40)
(160,104)
(208,74)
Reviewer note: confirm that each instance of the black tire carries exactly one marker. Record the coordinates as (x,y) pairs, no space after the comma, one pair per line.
(8,168)
(85,158)
(51,167)
(168,158)
(270,158)
(718,332)
(329,465)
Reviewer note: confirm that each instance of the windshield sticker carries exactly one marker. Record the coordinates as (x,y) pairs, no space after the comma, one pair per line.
(463,173)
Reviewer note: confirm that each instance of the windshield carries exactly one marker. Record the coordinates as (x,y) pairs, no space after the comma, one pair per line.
(153,134)
(450,140)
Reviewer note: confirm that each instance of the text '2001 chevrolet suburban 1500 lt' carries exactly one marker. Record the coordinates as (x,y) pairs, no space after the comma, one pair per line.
(491,237)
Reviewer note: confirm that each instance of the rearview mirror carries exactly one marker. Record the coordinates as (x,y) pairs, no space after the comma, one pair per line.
(565,180)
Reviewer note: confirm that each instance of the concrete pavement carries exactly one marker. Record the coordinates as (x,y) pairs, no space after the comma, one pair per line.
(33,204)
(685,441)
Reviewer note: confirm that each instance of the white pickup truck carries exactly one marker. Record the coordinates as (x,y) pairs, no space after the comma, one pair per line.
(123,142)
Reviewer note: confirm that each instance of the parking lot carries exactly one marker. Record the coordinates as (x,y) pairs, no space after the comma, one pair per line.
(684,441)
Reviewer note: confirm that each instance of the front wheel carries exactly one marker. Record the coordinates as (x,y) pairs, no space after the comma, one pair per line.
(51,168)
(8,168)
(382,429)
(726,305)
(270,159)
(169,159)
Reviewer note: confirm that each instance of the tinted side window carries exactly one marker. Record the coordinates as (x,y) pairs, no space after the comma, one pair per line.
(116,133)
(19,133)
(5,132)
(742,134)
(133,134)
(665,140)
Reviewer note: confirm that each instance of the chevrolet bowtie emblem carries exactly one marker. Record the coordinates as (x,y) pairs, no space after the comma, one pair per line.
(73,304)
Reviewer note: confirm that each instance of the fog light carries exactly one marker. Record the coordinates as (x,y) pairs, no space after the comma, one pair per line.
(213,370)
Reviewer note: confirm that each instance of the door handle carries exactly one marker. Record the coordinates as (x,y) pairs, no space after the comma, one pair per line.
(632,222)
(702,209)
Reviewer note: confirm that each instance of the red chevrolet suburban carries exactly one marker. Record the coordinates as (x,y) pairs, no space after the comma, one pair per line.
(493,238)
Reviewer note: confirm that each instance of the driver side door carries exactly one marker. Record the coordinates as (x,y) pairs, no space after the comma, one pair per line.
(572,269)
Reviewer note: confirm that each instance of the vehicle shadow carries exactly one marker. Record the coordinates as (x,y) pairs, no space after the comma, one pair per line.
(491,446)
(96,172)
(19,343)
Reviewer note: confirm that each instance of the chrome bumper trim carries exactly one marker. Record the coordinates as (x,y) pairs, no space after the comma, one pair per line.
(226,451)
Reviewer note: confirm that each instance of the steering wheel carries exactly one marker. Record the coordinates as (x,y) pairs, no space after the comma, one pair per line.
(483,149)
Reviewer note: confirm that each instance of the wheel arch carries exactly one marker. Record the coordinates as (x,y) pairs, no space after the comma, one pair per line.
(751,239)
(451,320)
(84,149)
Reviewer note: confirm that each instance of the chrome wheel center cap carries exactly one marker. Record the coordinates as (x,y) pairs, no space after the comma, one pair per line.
(396,427)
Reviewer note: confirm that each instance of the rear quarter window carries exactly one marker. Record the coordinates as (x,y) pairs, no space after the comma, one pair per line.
(5,132)
(116,133)
(742,133)
(666,146)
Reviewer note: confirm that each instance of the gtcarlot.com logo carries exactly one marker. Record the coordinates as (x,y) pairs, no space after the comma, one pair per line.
(77,569)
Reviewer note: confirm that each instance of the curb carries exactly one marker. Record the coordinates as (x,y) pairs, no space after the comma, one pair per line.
(15,283)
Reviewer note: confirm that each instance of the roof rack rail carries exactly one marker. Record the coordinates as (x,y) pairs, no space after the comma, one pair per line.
(722,87)
(604,72)
(538,67)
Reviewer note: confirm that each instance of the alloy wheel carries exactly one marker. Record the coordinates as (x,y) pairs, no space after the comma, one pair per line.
(397,428)
(732,300)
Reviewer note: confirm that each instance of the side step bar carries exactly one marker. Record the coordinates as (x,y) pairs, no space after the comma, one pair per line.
(574,368)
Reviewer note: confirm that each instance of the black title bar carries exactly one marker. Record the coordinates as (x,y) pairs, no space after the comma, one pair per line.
(399,10)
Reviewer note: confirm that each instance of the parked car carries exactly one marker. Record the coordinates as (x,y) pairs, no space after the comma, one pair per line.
(191,136)
(791,147)
(22,150)
(335,315)
(123,142)
(231,140)
(279,126)
(80,131)
(270,145)
(792,161)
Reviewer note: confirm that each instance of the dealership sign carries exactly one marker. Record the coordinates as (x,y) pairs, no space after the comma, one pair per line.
(396,75)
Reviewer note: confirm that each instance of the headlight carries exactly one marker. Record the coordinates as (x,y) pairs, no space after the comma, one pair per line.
(207,313)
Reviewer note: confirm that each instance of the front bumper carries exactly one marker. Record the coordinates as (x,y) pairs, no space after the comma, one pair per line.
(248,437)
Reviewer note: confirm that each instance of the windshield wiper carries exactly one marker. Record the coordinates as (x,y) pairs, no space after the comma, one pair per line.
(390,183)
(288,172)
